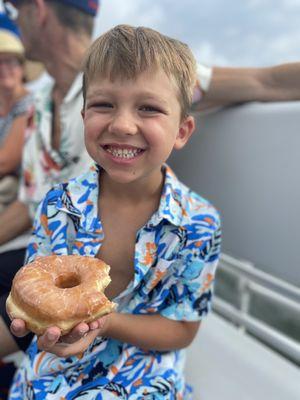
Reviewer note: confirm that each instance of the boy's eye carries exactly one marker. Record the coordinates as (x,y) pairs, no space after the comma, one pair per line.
(151,109)
(100,104)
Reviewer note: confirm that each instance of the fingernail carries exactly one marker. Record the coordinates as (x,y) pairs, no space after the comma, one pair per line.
(51,336)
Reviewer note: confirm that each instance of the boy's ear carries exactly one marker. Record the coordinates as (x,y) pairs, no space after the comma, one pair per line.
(185,131)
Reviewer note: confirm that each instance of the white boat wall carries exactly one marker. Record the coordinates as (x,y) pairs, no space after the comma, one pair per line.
(245,160)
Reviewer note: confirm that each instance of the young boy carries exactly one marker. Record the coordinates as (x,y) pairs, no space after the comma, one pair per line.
(161,240)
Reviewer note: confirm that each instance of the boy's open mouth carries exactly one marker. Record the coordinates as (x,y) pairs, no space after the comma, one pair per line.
(123,152)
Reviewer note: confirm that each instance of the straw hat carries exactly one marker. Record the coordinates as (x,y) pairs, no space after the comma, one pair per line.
(10,43)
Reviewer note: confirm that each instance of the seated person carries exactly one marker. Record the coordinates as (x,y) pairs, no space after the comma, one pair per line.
(14,105)
(161,240)
(15,102)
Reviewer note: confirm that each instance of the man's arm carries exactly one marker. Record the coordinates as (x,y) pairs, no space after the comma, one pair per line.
(236,85)
(14,221)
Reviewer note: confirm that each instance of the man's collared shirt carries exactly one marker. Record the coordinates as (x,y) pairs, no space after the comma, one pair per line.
(176,255)
(42,165)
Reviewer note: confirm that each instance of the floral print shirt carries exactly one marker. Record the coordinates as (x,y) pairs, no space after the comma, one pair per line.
(176,255)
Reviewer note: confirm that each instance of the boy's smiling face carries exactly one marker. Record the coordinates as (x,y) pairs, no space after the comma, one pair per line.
(132,126)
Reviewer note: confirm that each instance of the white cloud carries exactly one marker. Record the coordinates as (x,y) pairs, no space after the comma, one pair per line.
(286,46)
(292,4)
(224,32)
(259,3)
(221,32)
(114,12)
(206,54)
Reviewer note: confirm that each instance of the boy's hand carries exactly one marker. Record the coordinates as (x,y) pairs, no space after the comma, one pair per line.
(75,342)
(18,328)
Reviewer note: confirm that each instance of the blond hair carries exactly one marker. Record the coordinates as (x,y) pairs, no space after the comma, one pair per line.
(125,52)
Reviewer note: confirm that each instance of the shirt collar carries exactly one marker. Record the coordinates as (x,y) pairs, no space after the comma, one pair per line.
(84,201)
(170,206)
(43,98)
(75,89)
(80,198)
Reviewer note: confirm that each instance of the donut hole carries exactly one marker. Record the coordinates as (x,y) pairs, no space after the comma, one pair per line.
(67,281)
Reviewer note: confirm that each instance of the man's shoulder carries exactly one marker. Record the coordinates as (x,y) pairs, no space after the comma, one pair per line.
(43,92)
(40,84)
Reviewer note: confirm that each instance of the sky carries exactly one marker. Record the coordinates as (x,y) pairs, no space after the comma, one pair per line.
(220,32)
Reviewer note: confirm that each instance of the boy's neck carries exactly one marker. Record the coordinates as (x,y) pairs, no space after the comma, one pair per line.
(134,192)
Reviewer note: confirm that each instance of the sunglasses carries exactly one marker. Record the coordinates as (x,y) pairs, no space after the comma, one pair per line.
(9,62)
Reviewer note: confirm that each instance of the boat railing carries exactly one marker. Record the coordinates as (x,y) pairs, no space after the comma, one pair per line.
(262,305)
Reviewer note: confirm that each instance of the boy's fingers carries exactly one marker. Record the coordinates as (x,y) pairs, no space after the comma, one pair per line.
(49,338)
(94,325)
(99,323)
(63,349)
(77,333)
(18,328)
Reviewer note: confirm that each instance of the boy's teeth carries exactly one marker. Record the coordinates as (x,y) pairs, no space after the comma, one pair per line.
(123,153)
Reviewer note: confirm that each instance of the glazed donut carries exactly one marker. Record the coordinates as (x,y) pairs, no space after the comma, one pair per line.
(59,291)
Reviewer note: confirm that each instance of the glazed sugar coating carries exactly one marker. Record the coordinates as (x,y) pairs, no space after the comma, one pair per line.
(60,291)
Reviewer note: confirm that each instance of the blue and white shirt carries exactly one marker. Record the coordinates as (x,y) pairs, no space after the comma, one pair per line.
(176,255)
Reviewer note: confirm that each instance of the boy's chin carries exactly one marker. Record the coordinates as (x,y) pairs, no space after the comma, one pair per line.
(121,179)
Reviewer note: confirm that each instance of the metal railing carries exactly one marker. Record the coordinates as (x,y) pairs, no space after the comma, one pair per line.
(252,283)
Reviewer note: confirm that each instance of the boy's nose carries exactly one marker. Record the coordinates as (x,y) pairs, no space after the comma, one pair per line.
(123,123)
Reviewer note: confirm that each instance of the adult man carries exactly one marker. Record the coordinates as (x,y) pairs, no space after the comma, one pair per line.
(57,33)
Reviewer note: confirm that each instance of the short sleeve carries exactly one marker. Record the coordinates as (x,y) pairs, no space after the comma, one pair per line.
(189,299)
(204,75)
